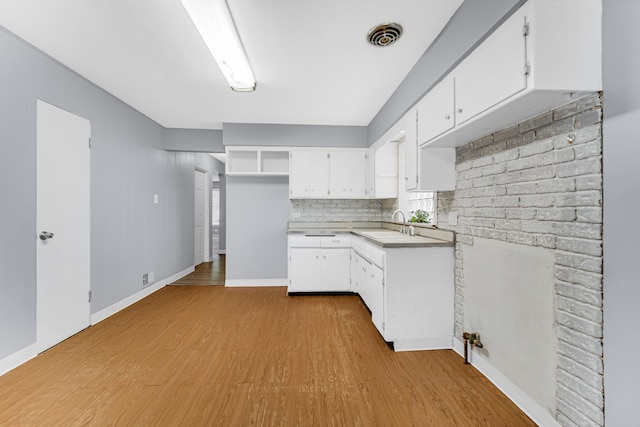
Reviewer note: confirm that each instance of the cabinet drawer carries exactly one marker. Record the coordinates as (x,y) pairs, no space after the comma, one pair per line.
(337,241)
(302,241)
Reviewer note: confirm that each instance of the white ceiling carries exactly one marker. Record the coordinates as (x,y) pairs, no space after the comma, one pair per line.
(311,59)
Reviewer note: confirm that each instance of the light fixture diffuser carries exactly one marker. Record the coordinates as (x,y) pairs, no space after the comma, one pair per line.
(216,27)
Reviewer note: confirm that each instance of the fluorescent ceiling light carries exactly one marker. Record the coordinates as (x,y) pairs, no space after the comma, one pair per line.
(215,24)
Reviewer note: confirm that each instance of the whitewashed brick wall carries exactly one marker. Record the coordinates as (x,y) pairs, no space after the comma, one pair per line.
(539,183)
(328,210)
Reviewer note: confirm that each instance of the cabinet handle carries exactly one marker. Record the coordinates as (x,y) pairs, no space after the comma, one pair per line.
(447,117)
(460,110)
(325,257)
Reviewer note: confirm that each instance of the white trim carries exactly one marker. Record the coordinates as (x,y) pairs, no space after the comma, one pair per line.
(537,413)
(122,304)
(18,358)
(428,343)
(237,283)
(222,251)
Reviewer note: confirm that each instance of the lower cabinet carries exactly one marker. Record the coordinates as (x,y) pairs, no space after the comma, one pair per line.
(409,291)
(319,264)
(410,297)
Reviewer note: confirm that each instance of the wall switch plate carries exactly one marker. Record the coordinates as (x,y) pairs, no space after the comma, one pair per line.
(453,218)
(156,199)
(145,279)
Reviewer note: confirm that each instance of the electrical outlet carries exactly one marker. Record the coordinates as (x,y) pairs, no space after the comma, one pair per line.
(296,214)
(145,279)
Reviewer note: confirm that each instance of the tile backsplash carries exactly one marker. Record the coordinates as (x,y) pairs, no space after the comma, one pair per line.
(328,210)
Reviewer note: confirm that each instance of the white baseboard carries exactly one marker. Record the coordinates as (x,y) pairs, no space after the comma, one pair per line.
(535,411)
(430,343)
(222,251)
(18,358)
(120,305)
(238,283)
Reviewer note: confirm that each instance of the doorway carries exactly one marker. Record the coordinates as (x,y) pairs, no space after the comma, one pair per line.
(63,225)
(201,217)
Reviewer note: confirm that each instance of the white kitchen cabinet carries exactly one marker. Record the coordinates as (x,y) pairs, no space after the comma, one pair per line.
(324,174)
(538,59)
(347,174)
(309,174)
(409,292)
(494,71)
(410,122)
(319,263)
(385,175)
(376,297)
(436,112)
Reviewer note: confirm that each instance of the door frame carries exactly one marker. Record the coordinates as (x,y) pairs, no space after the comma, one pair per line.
(207,214)
(79,235)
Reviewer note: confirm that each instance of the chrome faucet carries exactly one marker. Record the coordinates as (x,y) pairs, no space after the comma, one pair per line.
(403,229)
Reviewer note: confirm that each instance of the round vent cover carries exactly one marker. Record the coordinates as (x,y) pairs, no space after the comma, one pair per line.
(384,34)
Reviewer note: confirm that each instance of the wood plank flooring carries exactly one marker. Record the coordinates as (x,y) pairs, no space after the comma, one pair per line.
(216,356)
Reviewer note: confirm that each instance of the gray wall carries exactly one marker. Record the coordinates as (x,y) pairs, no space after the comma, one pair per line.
(295,135)
(129,234)
(257,218)
(621,68)
(470,25)
(199,140)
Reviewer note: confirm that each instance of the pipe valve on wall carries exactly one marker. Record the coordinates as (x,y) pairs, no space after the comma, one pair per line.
(473,339)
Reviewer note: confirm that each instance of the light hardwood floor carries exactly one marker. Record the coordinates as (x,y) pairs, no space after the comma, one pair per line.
(210,355)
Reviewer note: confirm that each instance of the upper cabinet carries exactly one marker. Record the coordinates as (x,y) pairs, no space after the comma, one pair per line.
(347,174)
(385,170)
(539,58)
(495,71)
(322,174)
(309,174)
(410,124)
(436,111)
(250,161)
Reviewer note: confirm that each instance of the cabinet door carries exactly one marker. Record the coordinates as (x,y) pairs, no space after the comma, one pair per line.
(370,173)
(386,171)
(318,172)
(364,282)
(305,270)
(355,271)
(336,270)
(493,72)
(436,111)
(348,174)
(377,297)
(299,174)
(411,151)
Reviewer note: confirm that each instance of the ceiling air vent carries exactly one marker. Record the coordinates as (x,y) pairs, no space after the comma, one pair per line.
(384,34)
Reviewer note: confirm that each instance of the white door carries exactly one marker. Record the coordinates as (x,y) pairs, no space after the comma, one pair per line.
(62,220)
(199,217)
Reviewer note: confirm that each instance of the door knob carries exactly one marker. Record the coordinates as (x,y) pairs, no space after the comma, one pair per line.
(45,235)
